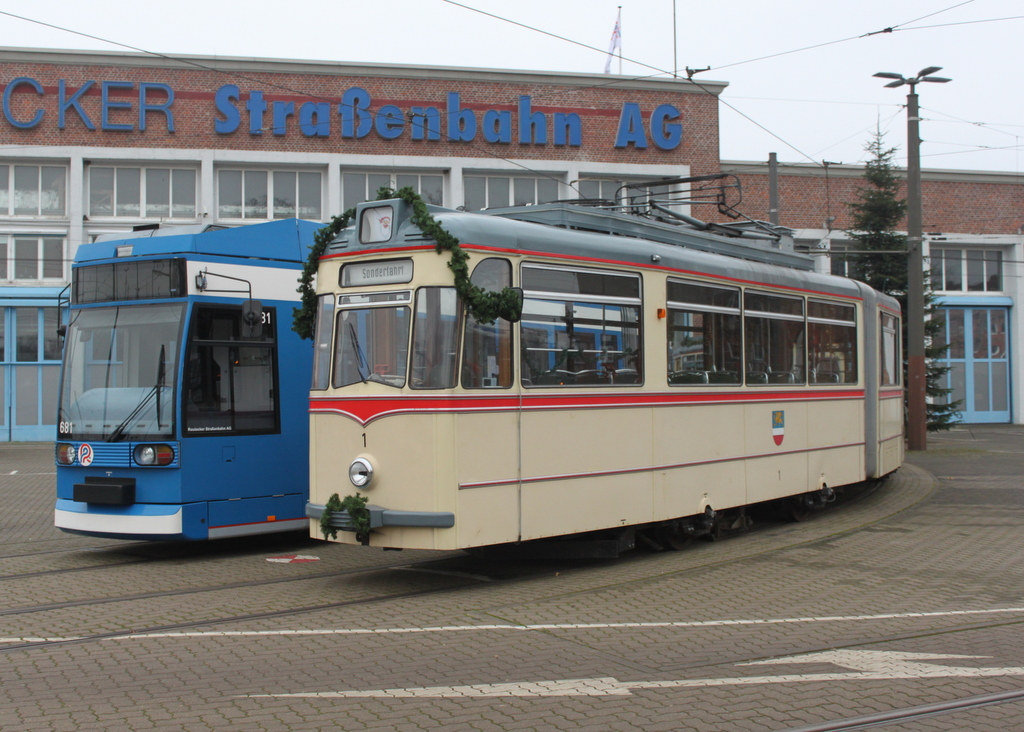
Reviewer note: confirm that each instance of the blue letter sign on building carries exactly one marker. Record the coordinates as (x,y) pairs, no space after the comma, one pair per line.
(7,103)
(358,116)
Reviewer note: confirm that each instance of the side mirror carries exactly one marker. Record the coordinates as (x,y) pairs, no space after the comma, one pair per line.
(252,319)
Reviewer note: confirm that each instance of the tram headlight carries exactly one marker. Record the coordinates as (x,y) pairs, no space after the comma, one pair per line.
(154,455)
(66,454)
(360,472)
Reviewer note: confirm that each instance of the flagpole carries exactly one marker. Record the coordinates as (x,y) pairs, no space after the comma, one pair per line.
(620,40)
(675,53)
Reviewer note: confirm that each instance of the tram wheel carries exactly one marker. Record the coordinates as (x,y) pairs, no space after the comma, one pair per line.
(673,538)
(797,510)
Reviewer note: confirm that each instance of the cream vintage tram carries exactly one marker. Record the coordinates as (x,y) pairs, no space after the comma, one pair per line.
(659,377)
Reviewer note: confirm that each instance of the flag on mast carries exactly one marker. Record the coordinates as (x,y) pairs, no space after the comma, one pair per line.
(616,43)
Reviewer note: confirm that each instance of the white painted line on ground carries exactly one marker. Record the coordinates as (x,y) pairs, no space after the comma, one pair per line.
(541,626)
(867,665)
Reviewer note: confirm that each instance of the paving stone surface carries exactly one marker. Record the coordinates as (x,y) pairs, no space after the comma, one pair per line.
(907,595)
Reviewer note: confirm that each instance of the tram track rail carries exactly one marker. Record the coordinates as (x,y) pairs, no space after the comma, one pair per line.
(25,610)
(911,714)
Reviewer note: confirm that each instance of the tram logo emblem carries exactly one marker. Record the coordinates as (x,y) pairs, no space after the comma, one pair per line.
(85,454)
(778,426)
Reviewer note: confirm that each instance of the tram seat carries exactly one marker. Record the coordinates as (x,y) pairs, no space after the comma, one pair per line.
(555,377)
(689,377)
(723,377)
(781,377)
(824,377)
(590,376)
(625,376)
(757,377)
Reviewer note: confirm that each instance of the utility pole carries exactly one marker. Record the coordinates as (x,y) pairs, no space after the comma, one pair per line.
(917,377)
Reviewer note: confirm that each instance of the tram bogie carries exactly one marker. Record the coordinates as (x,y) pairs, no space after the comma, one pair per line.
(649,384)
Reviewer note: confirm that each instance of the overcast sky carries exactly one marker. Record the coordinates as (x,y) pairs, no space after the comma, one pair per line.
(806,105)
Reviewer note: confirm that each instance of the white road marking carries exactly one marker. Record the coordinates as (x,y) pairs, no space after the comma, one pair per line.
(533,627)
(867,665)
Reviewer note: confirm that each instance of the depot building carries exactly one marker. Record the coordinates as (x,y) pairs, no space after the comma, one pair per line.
(97,143)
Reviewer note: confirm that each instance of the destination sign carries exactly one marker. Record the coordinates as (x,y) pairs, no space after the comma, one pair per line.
(390,272)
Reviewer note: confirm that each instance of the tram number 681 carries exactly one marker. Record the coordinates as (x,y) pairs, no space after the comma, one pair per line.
(65,428)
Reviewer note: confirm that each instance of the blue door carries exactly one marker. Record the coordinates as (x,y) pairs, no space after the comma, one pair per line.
(979,361)
(29,372)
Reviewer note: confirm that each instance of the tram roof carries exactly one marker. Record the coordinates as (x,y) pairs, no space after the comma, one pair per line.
(283,240)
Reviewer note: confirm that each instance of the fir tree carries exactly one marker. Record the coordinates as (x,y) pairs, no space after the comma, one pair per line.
(876,215)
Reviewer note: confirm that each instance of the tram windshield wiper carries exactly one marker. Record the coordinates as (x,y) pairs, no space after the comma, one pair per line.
(119,431)
(361,357)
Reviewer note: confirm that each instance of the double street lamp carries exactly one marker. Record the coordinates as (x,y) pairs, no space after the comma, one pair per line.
(917,420)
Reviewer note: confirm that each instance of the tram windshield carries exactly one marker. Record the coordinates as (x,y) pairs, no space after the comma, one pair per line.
(120,373)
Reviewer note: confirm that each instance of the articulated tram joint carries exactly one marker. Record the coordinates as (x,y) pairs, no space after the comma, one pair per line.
(381,517)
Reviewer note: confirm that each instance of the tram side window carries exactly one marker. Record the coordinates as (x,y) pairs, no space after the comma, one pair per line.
(832,343)
(890,347)
(774,326)
(435,338)
(704,334)
(230,382)
(487,357)
(322,342)
(580,327)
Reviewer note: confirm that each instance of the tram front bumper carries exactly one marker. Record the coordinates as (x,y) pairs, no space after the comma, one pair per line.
(383,517)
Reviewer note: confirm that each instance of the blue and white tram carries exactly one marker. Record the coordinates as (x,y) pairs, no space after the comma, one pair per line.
(182,402)
(659,378)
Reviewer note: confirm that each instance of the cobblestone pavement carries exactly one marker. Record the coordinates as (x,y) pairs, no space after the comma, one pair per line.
(908,600)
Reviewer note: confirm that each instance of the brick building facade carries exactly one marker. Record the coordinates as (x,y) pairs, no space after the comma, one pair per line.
(97,143)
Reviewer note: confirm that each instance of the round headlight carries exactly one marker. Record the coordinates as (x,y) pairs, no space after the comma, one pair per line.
(360,472)
(154,455)
(65,454)
(145,455)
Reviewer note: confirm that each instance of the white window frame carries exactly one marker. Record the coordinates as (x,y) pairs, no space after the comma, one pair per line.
(997,262)
(394,181)
(271,214)
(491,200)
(143,202)
(7,179)
(8,255)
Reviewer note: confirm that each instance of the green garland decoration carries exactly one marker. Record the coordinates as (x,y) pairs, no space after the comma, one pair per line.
(304,317)
(358,514)
(333,506)
(485,306)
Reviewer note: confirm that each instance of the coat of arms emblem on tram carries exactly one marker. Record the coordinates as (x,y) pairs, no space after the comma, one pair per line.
(778,426)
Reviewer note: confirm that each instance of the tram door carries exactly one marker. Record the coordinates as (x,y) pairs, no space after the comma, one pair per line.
(978,358)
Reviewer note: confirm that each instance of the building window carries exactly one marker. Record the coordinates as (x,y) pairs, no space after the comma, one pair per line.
(967,270)
(600,190)
(31,258)
(498,191)
(142,192)
(264,194)
(359,187)
(32,190)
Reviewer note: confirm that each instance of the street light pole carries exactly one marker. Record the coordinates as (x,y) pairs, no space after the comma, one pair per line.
(917,375)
